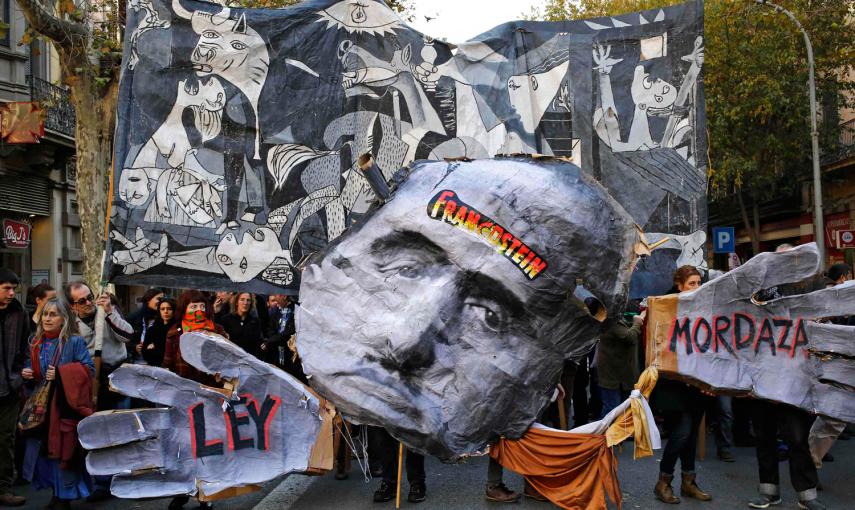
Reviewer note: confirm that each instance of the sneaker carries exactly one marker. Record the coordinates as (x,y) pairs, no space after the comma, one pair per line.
(765,501)
(386,491)
(418,492)
(813,504)
(725,455)
(9,499)
(501,494)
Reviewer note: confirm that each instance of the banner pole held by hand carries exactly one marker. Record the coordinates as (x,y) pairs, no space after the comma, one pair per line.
(400,466)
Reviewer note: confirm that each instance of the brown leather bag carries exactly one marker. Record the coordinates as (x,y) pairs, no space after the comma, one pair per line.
(35,408)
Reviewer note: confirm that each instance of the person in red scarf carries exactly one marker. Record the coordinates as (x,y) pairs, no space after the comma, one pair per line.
(55,350)
(194,313)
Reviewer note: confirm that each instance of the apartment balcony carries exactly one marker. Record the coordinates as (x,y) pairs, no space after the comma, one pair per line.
(844,153)
(59,113)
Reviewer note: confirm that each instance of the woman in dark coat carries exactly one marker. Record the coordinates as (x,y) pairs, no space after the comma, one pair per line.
(242,324)
(154,344)
(143,319)
(683,407)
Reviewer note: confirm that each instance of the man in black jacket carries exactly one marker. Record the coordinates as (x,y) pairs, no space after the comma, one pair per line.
(14,335)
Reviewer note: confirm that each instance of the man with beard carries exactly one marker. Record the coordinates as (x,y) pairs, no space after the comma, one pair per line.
(446,317)
(112,351)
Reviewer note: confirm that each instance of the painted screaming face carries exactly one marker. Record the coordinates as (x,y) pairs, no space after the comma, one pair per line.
(244,259)
(652,95)
(134,186)
(445,318)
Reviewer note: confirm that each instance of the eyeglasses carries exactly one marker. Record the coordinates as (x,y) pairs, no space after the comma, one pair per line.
(82,301)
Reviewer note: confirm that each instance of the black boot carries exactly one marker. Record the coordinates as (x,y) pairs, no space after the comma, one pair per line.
(418,491)
(386,492)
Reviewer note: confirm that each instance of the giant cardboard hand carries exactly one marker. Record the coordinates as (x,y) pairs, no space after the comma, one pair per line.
(724,336)
(264,424)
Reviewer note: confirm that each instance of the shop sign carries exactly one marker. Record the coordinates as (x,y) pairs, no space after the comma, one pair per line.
(16,234)
(845,239)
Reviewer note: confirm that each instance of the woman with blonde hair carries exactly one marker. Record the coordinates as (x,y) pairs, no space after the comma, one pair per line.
(57,349)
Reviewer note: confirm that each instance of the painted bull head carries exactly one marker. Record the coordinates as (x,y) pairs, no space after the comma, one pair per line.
(231,49)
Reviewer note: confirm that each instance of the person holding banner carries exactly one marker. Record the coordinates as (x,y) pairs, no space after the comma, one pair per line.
(683,407)
(773,419)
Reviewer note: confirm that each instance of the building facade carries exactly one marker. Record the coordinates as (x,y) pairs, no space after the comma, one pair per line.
(41,238)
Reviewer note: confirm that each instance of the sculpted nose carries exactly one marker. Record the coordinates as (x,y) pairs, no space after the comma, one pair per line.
(407,354)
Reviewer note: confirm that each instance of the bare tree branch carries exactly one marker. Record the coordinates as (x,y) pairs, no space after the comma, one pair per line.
(44,21)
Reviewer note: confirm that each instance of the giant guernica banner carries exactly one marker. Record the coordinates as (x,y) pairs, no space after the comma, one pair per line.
(239,129)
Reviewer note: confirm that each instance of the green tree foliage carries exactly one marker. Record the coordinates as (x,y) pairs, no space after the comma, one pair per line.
(758,112)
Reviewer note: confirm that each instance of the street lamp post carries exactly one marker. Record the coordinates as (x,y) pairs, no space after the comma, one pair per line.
(818,224)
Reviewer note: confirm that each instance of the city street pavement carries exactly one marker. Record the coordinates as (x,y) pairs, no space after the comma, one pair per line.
(462,487)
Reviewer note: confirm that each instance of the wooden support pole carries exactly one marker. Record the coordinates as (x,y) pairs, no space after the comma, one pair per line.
(400,468)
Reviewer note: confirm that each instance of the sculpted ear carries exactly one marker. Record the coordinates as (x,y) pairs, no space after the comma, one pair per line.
(407,54)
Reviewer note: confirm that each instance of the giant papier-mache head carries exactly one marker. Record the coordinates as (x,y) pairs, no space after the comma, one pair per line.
(446,316)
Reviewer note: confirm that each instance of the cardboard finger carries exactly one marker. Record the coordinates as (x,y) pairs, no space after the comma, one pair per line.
(114,428)
(127,458)
(213,354)
(840,371)
(153,484)
(834,402)
(157,385)
(831,302)
(766,270)
(831,338)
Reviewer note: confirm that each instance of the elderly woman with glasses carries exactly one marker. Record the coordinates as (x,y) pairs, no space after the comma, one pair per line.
(53,459)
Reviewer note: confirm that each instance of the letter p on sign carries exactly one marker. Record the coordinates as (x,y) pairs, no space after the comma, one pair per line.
(724,240)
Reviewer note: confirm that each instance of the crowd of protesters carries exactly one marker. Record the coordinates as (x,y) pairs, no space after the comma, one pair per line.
(74,340)
(67,348)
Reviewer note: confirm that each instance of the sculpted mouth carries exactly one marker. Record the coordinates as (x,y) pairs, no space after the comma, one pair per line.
(203,68)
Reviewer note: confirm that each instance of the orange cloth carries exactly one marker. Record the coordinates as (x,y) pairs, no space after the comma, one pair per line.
(571,470)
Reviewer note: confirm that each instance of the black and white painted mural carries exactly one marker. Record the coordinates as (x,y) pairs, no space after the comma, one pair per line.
(239,130)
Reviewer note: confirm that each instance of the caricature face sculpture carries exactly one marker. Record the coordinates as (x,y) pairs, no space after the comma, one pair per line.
(446,316)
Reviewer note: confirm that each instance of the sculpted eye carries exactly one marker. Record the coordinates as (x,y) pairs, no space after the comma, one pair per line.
(533,81)
(224,259)
(210,34)
(486,313)
(409,269)
(239,45)
(646,83)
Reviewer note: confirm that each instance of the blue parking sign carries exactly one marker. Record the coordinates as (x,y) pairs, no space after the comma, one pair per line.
(724,239)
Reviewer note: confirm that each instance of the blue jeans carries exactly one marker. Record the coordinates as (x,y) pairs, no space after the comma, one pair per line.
(611,399)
